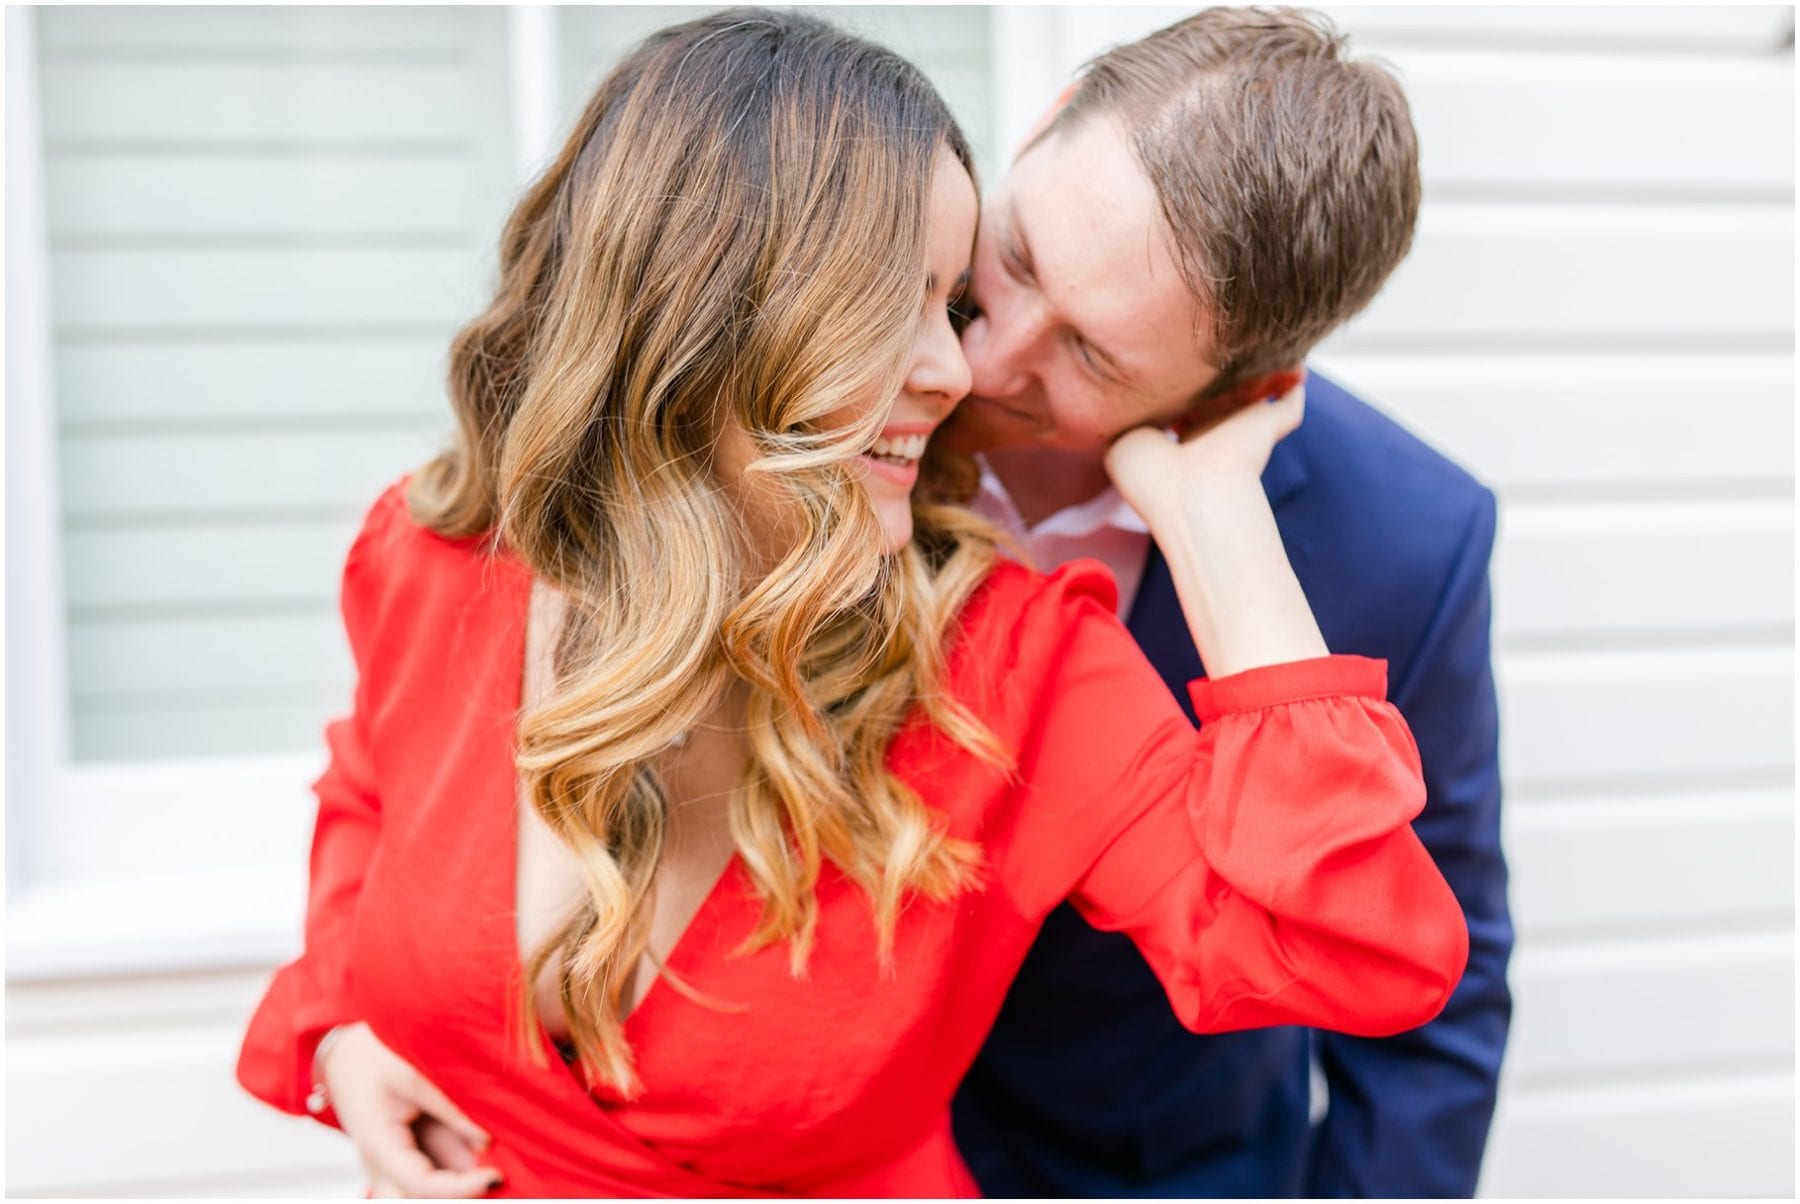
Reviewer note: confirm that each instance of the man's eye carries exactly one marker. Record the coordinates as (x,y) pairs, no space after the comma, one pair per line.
(1013,261)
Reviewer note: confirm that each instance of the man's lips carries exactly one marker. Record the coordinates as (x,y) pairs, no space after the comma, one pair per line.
(1002,407)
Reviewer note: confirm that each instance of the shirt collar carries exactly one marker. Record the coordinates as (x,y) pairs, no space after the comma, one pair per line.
(1107,509)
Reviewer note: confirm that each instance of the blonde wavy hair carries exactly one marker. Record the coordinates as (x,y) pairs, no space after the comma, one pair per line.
(733,233)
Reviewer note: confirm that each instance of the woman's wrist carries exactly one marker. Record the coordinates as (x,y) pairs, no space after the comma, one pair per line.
(318,1099)
(1238,592)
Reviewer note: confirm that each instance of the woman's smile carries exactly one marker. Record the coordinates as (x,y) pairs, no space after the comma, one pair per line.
(894,457)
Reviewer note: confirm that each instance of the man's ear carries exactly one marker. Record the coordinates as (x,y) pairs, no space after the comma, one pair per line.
(1260,388)
(1217,407)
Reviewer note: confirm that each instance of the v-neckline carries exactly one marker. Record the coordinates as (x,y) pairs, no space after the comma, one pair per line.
(519,606)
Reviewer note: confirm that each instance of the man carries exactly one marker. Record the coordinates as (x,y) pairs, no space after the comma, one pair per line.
(1205,207)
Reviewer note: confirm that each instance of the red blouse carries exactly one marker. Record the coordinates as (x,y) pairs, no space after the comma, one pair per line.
(1264,865)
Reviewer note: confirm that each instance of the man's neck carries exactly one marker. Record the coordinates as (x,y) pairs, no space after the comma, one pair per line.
(1042,481)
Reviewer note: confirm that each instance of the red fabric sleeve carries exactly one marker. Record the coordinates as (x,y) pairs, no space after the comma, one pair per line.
(1266,866)
(312,994)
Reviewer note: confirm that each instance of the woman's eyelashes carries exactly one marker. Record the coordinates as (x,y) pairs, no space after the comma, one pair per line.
(963,311)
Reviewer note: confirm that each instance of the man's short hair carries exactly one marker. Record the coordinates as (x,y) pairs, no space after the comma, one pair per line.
(1288,174)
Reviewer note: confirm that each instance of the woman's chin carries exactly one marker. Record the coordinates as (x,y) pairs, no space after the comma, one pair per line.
(896,526)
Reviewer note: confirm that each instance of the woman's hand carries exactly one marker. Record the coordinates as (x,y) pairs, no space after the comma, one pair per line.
(1203,500)
(1153,471)
(379,1099)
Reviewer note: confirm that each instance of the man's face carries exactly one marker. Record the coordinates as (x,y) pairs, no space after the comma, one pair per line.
(1086,328)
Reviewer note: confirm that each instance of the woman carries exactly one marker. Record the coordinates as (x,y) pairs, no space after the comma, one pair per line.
(800,764)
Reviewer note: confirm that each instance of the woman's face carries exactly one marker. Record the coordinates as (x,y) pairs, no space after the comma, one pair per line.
(937,376)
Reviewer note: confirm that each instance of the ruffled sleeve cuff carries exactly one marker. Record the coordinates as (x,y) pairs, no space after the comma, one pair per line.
(275,1061)
(1293,681)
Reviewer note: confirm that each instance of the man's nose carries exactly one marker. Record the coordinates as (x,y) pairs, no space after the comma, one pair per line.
(999,350)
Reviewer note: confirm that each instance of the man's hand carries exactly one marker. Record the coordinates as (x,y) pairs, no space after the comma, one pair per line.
(389,1111)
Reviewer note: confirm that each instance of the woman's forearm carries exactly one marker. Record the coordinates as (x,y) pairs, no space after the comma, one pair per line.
(1242,602)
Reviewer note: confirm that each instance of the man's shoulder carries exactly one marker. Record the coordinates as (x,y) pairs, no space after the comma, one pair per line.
(1351,447)
(1377,524)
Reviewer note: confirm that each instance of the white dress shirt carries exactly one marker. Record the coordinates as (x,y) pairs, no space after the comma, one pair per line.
(1104,527)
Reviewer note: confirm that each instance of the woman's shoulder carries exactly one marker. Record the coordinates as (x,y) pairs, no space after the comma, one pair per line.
(1018,617)
(392,536)
(1013,592)
(396,562)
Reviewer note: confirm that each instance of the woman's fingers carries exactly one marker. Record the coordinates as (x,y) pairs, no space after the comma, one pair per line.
(386,1107)
(435,1104)
(1288,410)
(393,1157)
(444,1145)
(457,1185)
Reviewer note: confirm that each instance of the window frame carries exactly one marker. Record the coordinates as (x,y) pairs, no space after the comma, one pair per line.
(80,902)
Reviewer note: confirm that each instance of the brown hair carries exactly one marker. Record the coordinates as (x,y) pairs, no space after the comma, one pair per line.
(734,233)
(1287,173)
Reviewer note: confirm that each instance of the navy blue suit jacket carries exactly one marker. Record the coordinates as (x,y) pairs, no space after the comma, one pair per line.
(1088,1086)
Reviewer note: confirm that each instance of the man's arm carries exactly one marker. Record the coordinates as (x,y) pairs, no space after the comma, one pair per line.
(1409,1115)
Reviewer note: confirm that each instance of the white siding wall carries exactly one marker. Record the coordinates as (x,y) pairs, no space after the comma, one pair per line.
(264,224)
(1597,319)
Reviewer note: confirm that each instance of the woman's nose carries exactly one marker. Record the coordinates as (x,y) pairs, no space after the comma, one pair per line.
(940,372)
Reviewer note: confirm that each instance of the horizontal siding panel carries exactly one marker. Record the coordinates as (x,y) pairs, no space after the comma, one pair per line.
(124,290)
(149,195)
(1748,27)
(135,1002)
(253,380)
(1719,1137)
(934,34)
(339,1185)
(205,564)
(1489,273)
(1609,569)
(157,727)
(1748,32)
(251,654)
(1640,861)
(1602,122)
(113,102)
(1696,1002)
(344,1184)
(1580,28)
(212,29)
(66,1089)
(1591,717)
(1604,573)
(141,476)
(1584,420)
